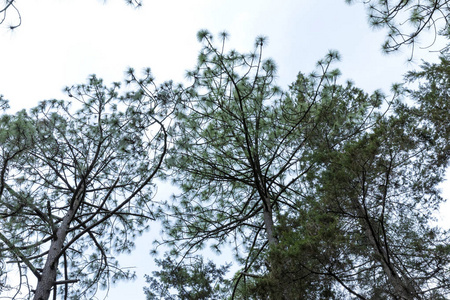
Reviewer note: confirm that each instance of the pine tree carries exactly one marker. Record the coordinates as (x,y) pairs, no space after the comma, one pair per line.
(76,185)
(243,151)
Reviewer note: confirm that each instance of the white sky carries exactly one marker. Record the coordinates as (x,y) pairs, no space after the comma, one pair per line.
(61,42)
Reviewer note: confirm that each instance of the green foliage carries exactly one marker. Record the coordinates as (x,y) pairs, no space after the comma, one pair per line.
(247,157)
(378,186)
(405,20)
(307,259)
(3,103)
(366,230)
(192,279)
(80,177)
(324,191)
(432,98)
(384,184)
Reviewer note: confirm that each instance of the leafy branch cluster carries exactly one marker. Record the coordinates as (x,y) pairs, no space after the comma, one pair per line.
(407,19)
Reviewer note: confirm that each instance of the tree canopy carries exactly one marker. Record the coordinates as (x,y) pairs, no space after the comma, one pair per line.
(76,186)
(321,189)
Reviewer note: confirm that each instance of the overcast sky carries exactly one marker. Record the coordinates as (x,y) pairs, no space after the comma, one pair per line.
(61,42)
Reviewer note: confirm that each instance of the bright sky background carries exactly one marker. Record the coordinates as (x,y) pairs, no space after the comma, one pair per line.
(61,42)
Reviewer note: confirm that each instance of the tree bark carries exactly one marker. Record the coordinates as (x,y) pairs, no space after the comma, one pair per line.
(48,276)
(402,286)
(49,272)
(268,221)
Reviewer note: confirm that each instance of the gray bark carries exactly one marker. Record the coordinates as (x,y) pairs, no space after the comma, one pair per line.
(47,279)
(402,286)
(268,221)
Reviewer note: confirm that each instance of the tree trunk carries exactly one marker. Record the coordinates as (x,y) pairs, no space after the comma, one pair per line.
(402,286)
(402,289)
(48,276)
(268,221)
(49,272)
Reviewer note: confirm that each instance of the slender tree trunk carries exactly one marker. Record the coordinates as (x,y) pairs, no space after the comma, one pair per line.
(402,286)
(49,272)
(268,221)
(48,276)
(273,240)
(402,289)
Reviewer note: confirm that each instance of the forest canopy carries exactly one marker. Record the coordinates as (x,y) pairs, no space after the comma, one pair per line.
(316,190)
(324,191)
